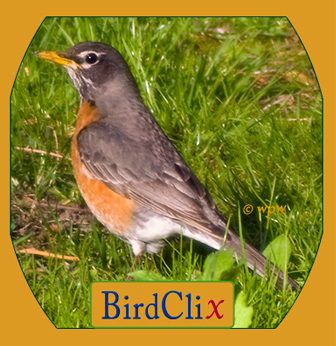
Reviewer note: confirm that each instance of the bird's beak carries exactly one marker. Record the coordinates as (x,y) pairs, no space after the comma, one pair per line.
(58,58)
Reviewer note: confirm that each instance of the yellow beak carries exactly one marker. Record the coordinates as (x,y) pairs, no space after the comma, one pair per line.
(58,59)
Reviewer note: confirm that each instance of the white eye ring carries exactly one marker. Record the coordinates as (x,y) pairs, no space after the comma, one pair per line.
(90,58)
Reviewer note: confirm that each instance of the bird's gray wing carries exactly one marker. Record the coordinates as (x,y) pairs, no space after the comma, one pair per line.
(147,170)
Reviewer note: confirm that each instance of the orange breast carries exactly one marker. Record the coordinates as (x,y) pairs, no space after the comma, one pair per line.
(111,209)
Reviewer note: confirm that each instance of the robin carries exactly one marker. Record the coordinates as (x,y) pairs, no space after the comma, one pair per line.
(129,173)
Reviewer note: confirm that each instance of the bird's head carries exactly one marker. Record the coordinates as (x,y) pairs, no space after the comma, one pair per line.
(95,69)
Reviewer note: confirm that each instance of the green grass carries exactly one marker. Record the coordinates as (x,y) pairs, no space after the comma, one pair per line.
(239,100)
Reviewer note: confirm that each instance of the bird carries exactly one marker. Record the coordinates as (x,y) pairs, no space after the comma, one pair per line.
(129,173)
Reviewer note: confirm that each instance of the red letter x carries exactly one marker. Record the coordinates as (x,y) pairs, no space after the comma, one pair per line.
(215,307)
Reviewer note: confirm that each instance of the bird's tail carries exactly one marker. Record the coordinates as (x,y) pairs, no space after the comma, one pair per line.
(255,259)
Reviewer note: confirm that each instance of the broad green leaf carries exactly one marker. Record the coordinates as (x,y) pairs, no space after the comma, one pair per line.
(216,264)
(279,251)
(243,312)
(144,275)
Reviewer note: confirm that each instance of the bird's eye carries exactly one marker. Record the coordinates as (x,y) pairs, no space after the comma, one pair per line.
(91,58)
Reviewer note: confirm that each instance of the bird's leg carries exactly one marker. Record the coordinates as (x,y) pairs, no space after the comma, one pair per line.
(138,250)
(136,261)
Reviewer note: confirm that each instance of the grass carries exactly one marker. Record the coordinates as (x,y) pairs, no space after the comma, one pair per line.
(240,101)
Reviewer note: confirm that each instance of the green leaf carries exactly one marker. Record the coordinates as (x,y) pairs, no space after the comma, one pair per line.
(216,264)
(279,251)
(243,312)
(144,275)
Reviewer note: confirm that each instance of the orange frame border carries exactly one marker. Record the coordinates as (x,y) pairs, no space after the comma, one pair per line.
(312,319)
